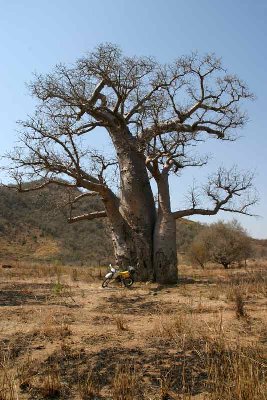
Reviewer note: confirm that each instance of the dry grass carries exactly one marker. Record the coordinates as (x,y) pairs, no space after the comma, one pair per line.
(89,387)
(58,273)
(8,389)
(51,386)
(174,328)
(240,305)
(126,384)
(236,374)
(121,323)
(52,332)
(230,371)
(165,382)
(53,328)
(62,336)
(24,373)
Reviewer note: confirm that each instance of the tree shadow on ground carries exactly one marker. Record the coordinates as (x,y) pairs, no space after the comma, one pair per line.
(182,280)
(135,304)
(24,294)
(31,294)
(186,372)
(185,280)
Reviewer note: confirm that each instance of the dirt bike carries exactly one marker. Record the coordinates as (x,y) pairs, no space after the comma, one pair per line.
(124,277)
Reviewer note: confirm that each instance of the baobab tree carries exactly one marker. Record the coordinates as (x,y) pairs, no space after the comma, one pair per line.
(154,115)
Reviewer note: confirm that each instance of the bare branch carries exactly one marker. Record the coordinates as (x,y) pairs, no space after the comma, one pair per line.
(222,190)
(87,217)
(30,187)
(83,195)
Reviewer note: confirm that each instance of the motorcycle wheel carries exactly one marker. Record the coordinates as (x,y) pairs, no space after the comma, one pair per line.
(128,282)
(106,282)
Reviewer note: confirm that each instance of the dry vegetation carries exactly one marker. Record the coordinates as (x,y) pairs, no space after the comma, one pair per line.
(63,336)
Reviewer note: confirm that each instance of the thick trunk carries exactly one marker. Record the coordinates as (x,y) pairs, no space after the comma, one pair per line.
(137,202)
(165,252)
(124,249)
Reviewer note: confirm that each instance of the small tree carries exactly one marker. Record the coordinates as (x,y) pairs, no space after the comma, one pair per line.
(223,243)
(198,252)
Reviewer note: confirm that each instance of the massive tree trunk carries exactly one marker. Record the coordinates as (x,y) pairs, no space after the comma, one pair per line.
(165,251)
(121,235)
(149,240)
(137,202)
(124,250)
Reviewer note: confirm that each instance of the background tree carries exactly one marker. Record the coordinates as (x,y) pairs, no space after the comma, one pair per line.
(199,250)
(223,243)
(154,115)
(186,230)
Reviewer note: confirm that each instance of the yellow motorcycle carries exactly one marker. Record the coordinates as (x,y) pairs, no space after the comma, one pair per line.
(124,277)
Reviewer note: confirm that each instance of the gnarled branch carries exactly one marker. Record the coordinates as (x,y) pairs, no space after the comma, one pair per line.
(88,217)
(222,189)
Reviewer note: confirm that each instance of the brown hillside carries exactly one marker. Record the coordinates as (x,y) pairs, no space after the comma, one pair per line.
(33,226)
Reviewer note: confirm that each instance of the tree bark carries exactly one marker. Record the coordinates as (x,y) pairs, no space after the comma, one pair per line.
(165,251)
(137,202)
(121,236)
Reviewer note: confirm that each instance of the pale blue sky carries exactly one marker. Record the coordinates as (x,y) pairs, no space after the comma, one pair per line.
(36,35)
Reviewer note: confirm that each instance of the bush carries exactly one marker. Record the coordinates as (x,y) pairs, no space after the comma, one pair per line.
(198,252)
(223,243)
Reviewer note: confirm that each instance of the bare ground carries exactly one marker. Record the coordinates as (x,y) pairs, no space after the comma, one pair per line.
(63,336)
